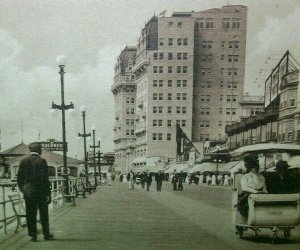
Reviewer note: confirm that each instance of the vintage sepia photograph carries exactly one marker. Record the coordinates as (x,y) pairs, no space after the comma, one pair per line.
(149,124)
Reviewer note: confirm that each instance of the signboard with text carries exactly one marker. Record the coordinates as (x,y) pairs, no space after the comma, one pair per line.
(53,146)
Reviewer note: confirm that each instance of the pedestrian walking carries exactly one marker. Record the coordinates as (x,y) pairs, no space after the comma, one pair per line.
(148,180)
(180,181)
(143,179)
(131,179)
(108,178)
(208,179)
(175,180)
(159,179)
(213,180)
(33,181)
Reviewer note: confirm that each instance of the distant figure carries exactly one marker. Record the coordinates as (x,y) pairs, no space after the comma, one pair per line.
(33,182)
(226,180)
(131,179)
(175,180)
(143,179)
(180,181)
(213,180)
(208,179)
(159,179)
(148,180)
(108,178)
(282,183)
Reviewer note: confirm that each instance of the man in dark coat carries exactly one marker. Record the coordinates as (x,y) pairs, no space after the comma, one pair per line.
(159,178)
(33,182)
(143,179)
(148,180)
(180,181)
(282,183)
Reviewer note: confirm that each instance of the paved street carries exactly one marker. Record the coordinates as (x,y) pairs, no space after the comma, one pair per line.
(117,218)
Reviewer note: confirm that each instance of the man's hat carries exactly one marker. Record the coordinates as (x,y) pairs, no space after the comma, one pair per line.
(281,165)
(35,146)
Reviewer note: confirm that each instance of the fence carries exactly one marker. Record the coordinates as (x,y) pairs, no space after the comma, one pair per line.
(7,215)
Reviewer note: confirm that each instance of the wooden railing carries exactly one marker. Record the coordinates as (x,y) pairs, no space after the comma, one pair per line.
(7,215)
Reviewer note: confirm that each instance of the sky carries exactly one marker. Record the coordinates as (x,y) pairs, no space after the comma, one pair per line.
(91,34)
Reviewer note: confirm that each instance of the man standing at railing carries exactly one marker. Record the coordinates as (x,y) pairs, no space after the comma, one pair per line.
(33,182)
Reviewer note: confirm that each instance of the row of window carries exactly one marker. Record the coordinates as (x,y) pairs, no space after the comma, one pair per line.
(179,96)
(207,124)
(159,110)
(159,136)
(160,56)
(130,132)
(179,83)
(229,98)
(171,41)
(129,121)
(160,69)
(224,44)
(130,111)
(159,123)
(208,85)
(230,71)
(129,100)
(209,23)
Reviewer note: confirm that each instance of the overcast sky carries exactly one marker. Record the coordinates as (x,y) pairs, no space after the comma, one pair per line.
(92,33)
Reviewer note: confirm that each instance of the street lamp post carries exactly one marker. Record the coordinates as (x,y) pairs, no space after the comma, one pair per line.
(99,162)
(84,135)
(63,107)
(94,153)
(218,151)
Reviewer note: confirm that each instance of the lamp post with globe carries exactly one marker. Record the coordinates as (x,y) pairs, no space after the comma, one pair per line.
(61,63)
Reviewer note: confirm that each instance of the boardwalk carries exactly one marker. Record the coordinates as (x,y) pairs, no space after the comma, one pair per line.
(116,218)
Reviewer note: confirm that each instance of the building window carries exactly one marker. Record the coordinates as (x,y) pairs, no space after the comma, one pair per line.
(184,69)
(223,44)
(184,56)
(170,69)
(183,110)
(170,41)
(183,123)
(220,123)
(236,23)
(154,109)
(178,83)
(154,83)
(227,111)
(222,57)
(221,97)
(185,41)
(178,96)
(169,137)
(169,110)
(161,41)
(225,23)
(161,56)
(169,96)
(209,23)
(179,56)
(234,44)
(184,83)
(132,111)
(208,98)
(221,110)
(155,56)
(184,96)
(179,41)
(178,110)
(200,24)
(154,136)
(160,123)
(160,136)
(154,123)
(160,109)
(155,69)
(160,83)
(160,96)
(161,69)
(169,123)
(179,25)
(221,84)
(170,56)
(154,96)
(178,69)
(170,83)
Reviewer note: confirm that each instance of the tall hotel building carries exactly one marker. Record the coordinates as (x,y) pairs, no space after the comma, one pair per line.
(186,69)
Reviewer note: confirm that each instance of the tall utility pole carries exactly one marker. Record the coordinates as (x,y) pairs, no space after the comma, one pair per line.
(84,135)
(99,162)
(63,107)
(94,154)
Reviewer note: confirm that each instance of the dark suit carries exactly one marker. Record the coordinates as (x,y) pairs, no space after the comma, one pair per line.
(159,178)
(33,182)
